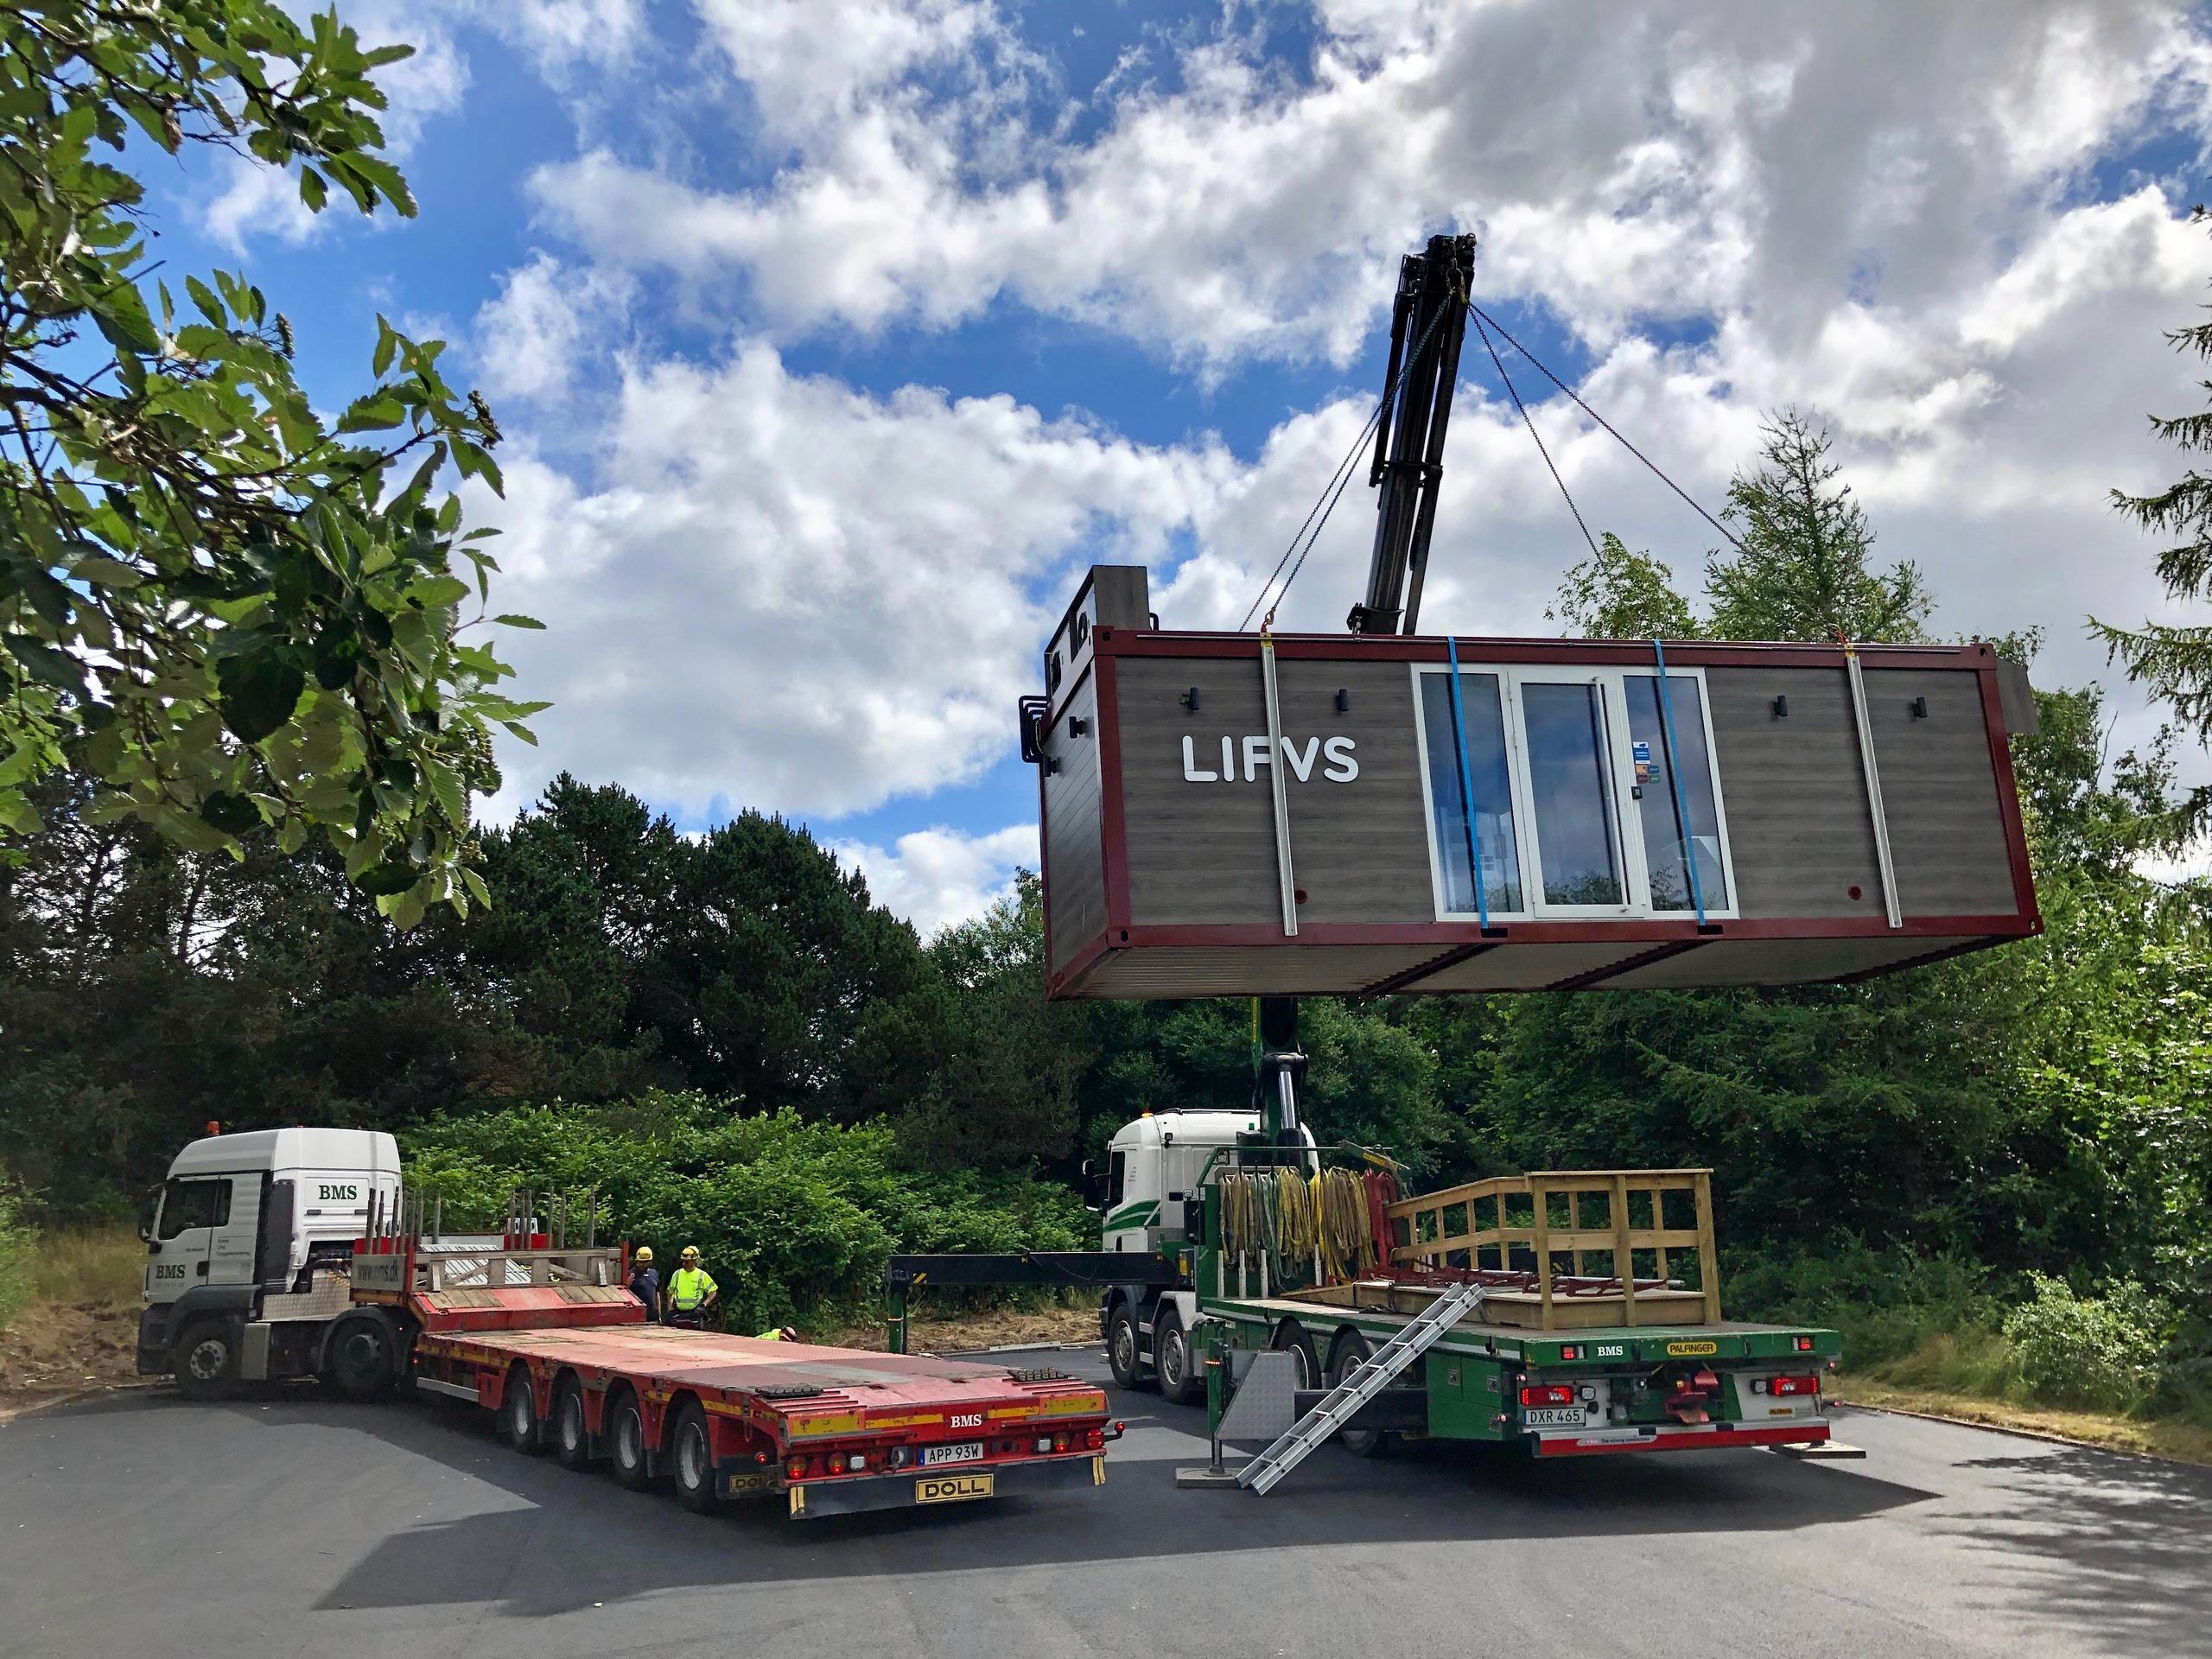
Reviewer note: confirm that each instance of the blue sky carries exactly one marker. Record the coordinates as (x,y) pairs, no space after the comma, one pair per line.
(833,339)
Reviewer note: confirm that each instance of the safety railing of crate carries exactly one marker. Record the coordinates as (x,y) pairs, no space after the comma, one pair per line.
(1490,1239)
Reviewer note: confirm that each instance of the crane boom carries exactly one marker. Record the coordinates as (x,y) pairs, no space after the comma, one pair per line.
(1427,324)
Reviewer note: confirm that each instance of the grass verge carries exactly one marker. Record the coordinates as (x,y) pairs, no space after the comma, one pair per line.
(1974,1374)
(68,1312)
(2160,1437)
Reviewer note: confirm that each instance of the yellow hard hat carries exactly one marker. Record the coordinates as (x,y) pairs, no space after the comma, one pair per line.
(645,1253)
(690,1253)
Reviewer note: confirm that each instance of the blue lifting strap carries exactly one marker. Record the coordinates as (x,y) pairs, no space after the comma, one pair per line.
(1467,789)
(1674,781)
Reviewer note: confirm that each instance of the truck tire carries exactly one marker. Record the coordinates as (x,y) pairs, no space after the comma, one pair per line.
(520,1425)
(361,1359)
(1123,1352)
(1172,1360)
(693,1461)
(571,1436)
(1351,1350)
(1290,1338)
(625,1441)
(207,1360)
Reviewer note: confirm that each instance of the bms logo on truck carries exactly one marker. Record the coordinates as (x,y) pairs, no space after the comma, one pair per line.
(169,1270)
(328,1193)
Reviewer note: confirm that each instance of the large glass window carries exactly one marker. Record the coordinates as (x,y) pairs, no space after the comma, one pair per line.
(1488,776)
(1571,793)
(194,1204)
(1669,843)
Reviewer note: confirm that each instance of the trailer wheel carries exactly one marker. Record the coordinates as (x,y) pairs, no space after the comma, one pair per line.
(694,1462)
(1122,1348)
(519,1423)
(571,1437)
(1350,1352)
(1170,1359)
(1290,1338)
(626,1435)
(206,1361)
(360,1357)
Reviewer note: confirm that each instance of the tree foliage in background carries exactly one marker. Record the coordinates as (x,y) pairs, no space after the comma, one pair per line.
(793,1218)
(1618,595)
(228,615)
(2174,660)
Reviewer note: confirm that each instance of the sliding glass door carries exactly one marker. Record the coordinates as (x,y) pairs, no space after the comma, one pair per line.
(1572,794)
(1569,757)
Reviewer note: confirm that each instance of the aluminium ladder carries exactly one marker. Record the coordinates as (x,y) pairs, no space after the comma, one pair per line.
(1335,1408)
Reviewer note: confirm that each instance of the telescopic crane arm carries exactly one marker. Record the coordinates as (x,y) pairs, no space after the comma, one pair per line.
(1427,324)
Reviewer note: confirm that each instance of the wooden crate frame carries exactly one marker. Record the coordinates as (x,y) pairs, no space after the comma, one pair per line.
(1620,1239)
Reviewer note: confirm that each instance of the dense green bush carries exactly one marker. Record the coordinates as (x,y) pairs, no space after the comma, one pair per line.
(794,1220)
(1886,1303)
(2102,1352)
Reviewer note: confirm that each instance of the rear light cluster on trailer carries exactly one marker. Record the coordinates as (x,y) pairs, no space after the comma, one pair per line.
(1785,1385)
(869,1460)
(1547,1393)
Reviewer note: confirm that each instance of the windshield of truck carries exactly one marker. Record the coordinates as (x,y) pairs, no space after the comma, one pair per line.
(1117,1168)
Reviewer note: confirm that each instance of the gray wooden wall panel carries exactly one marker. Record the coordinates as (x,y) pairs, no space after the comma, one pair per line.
(1206,852)
(1795,794)
(1359,850)
(1197,853)
(1939,786)
(1073,828)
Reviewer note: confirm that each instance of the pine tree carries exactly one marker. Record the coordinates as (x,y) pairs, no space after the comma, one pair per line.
(2174,660)
(1804,571)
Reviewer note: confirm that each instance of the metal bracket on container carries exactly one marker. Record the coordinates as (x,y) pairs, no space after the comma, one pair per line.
(1277,787)
(1865,728)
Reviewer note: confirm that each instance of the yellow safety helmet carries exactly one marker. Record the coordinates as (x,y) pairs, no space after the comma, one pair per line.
(644,1256)
(690,1253)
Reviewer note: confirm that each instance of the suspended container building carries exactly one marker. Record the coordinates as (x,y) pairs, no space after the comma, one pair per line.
(1232,814)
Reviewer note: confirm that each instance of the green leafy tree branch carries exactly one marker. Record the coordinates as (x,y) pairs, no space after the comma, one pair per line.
(234,618)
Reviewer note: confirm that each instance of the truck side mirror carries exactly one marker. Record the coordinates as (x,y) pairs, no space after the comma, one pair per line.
(1089,1187)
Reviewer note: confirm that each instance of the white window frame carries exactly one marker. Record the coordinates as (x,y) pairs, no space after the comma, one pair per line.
(1627,827)
(1508,712)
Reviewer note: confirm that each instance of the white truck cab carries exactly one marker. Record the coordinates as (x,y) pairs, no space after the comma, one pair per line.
(247,1247)
(1155,1165)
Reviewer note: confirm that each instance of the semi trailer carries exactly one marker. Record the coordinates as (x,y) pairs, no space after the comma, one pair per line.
(248,1280)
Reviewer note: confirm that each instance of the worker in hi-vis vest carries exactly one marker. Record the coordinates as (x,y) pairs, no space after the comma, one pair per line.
(691,1290)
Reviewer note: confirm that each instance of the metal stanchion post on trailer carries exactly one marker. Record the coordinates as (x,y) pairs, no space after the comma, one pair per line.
(1216,1472)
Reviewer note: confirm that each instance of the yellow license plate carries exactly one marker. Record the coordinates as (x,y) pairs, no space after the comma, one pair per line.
(1691,1350)
(951,1489)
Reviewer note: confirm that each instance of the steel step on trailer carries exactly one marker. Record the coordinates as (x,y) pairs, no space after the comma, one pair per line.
(1341,1403)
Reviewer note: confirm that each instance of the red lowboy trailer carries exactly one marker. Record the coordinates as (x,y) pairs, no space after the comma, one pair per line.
(549,1340)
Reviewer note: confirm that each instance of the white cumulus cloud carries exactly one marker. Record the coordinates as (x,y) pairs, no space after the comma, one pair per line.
(937,878)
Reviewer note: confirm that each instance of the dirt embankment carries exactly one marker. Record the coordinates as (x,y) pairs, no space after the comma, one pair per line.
(52,1350)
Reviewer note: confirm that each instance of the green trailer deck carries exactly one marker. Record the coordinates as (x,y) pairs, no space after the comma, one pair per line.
(1567,1393)
(1586,1341)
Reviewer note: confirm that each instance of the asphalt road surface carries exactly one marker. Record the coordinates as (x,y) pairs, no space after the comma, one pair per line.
(291,1524)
